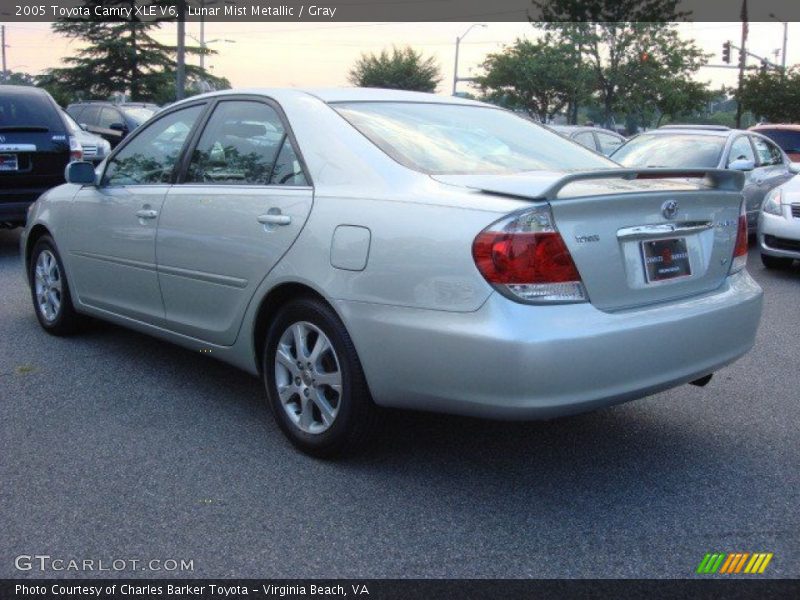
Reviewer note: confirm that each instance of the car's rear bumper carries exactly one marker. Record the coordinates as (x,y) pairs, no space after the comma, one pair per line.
(779,235)
(515,361)
(14,203)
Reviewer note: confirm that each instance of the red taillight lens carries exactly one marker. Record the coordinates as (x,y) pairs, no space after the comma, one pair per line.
(740,249)
(524,257)
(75,149)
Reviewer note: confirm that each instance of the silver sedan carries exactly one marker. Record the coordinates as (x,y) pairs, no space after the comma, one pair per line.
(360,249)
(779,226)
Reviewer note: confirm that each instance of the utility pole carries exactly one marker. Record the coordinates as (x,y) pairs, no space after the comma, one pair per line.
(742,65)
(3,46)
(180,72)
(774,17)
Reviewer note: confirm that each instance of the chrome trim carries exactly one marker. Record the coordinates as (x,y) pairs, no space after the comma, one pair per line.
(641,232)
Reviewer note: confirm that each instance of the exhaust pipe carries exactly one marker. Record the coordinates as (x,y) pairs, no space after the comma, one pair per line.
(703,381)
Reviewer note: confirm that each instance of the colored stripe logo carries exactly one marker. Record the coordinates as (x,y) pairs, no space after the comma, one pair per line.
(734,562)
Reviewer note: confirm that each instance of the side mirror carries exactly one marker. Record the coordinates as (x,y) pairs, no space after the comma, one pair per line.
(794,167)
(118,127)
(80,173)
(742,164)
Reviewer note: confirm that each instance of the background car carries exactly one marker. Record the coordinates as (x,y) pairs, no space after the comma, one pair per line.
(786,136)
(35,146)
(708,146)
(111,121)
(93,147)
(600,140)
(377,254)
(779,226)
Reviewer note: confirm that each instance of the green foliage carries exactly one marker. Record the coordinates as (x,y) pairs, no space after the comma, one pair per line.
(773,95)
(120,57)
(539,77)
(402,69)
(642,67)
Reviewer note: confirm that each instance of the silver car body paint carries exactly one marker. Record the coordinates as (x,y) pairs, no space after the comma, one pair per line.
(785,227)
(431,333)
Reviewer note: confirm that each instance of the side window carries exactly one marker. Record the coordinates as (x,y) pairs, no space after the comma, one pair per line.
(608,143)
(741,149)
(75,112)
(150,157)
(109,116)
(245,143)
(90,115)
(768,154)
(585,138)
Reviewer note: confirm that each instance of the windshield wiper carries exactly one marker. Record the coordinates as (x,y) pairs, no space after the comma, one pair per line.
(23,128)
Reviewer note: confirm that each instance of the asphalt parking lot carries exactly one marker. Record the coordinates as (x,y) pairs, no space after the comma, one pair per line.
(114,445)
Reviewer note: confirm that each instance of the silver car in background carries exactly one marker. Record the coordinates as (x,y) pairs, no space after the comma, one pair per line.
(779,226)
(764,164)
(359,249)
(598,139)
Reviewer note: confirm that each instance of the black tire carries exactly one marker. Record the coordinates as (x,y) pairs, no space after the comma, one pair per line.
(776,262)
(357,418)
(64,321)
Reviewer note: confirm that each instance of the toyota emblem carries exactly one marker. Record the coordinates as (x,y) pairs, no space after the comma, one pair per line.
(669,209)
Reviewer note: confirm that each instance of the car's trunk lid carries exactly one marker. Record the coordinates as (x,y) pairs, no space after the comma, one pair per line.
(635,239)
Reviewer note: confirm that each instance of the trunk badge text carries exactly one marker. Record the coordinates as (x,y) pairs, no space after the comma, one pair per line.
(582,239)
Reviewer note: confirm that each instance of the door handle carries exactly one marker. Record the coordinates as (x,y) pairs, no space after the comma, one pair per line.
(147,213)
(270,219)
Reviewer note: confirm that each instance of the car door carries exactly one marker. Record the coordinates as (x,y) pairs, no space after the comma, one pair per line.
(241,203)
(112,232)
(742,149)
(773,166)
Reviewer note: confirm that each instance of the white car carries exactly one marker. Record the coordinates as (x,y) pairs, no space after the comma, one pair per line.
(779,226)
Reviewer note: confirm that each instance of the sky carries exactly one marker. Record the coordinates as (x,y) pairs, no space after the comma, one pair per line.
(263,54)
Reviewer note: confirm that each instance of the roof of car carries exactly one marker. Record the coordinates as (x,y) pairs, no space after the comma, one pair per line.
(21,89)
(785,126)
(347,94)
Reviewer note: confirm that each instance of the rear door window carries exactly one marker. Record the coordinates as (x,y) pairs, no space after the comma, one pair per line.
(245,143)
(608,142)
(109,117)
(768,153)
(741,150)
(90,115)
(585,138)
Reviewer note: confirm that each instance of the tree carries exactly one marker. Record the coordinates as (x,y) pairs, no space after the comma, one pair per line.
(120,56)
(17,78)
(403,69)
(773,95)
(633,49)
(538,77)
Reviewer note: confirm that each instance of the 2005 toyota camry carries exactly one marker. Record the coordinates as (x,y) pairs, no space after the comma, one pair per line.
(360,249)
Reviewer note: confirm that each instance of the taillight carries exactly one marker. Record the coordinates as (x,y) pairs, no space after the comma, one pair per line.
(740,250)
(524,257)
(75,149)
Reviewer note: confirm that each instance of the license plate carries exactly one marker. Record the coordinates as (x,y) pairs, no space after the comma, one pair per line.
(8,162)
(665,259)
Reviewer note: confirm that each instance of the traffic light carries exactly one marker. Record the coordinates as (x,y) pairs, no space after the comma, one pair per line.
(726,52)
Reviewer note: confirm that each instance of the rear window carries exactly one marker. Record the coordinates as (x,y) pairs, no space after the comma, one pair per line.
(788,140)
(35,111)
(457,139)
(671,151)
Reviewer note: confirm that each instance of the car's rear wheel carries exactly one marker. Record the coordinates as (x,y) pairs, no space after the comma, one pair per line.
(776,262)
(50,290)
(316,386)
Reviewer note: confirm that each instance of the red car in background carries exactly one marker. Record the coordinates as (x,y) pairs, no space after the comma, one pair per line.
(786,136)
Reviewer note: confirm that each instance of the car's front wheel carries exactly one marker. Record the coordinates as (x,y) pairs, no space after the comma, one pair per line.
(316,386)
(776,262)
(50,290)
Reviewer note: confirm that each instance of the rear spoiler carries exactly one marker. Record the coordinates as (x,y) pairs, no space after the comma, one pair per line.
(718,179)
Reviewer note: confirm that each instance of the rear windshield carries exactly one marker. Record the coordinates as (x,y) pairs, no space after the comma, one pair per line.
(33,111)
(673,150)
(788,140)
(139,114)
(457,139)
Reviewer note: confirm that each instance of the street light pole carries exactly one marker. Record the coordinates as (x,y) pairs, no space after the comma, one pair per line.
(180,72)
(774,17)
(458,43)
(3,46)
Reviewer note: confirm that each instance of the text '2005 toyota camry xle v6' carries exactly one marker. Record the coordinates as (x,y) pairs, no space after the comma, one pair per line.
(360,249)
